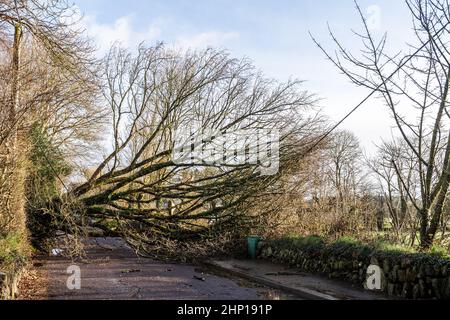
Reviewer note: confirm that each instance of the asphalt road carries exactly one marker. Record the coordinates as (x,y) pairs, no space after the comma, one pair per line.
(113,271)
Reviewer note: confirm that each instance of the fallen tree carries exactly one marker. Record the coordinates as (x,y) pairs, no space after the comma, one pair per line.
(140,192)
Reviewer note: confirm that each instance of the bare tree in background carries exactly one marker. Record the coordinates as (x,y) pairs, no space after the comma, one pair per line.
(421,86)
(345,154)
(397,189)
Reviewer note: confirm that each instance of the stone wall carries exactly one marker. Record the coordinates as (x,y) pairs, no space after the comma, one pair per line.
(409,276)
(9,284)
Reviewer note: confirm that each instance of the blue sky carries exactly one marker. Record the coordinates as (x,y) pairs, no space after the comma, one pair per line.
(274,34)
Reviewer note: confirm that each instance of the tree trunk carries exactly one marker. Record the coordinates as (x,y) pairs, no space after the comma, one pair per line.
(15,68)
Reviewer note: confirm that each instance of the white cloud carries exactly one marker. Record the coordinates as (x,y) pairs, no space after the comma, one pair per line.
(207,39)
(121,31)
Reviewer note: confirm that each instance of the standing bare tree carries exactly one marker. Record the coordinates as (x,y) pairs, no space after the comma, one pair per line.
(420,84)
(45,62)
(345,154)
(50,24)
(397,189)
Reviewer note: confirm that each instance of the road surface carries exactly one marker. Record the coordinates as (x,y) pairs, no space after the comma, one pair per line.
(112,271)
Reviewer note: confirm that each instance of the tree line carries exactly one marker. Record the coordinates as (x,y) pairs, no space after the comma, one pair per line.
(88,143)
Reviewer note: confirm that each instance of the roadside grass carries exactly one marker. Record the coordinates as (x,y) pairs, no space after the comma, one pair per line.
(353,244)
(14,250)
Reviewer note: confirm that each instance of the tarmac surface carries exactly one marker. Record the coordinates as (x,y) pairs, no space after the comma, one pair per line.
(112,271)
(304,285)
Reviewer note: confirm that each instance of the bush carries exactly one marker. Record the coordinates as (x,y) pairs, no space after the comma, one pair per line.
(348,247)
(14,250)
(47,166)
(385,246)
(440,252)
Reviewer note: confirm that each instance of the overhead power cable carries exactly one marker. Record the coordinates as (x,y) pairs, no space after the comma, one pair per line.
(338,124)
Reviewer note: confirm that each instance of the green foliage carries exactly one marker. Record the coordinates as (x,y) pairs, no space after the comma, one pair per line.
(347,241)
(47,166)
(13,250)
(308,241)
(385,246)
(440,252)
(349,248)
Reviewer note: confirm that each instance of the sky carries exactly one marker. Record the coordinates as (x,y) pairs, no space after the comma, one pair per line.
(274,34)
